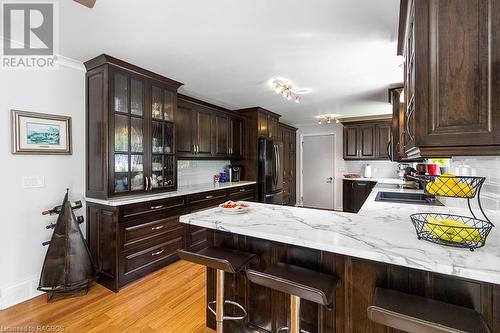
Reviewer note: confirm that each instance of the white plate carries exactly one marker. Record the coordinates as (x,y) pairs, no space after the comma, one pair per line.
(233,211)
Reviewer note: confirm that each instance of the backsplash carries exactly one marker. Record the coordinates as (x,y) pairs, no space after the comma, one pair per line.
(487,166)
(198,172)
(380,169)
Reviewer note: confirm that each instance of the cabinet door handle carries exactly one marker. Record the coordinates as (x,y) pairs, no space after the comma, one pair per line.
(209,196)
(242,190)
(158,227)
(147,183)
(194,149)
(197,149)
(150,183)
(157,253)
(157,207)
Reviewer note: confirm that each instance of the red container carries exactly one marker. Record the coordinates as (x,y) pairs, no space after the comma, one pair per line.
(433,169)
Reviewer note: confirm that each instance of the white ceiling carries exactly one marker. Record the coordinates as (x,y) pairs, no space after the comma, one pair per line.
(226,51)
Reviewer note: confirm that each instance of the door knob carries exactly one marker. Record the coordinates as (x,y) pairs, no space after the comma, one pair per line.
(329,180)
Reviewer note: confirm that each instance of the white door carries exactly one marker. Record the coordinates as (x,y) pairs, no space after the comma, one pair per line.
(318,171)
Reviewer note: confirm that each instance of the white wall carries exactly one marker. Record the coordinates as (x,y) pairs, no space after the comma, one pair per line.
(23,230)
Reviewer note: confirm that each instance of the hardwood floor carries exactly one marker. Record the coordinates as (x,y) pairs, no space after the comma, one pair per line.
(169,300)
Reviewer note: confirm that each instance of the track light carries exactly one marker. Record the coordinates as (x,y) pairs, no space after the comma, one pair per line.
(285,90)
(328,118)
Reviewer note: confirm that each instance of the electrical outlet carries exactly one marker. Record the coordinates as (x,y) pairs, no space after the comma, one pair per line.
(33,181)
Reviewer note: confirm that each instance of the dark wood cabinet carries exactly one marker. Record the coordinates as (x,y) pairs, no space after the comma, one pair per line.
(267,123)
(206,132)
(383,143)
(129,129)
(354,194)
(451,87)
(287,135)
(397,147)
(236,138)
(366,140)
(222,131)
(259,123)
(185,132)
(131,241)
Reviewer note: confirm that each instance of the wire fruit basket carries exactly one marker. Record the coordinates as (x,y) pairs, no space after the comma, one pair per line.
(451,230)
(451,186)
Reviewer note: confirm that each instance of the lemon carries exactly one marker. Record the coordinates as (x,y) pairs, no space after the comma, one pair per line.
(464,190)
(449,179)
(452,230)
(431,188)
(437,187)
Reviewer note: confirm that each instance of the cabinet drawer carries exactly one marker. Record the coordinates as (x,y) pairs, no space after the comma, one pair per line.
(205,200)
(136,232)
(161,250)
(242,193)
(165,207)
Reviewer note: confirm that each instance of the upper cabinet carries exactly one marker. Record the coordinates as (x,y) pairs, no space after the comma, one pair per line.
(205,132)
(268,124)
(130,129)
(236,138)
(368,140)
(451,87)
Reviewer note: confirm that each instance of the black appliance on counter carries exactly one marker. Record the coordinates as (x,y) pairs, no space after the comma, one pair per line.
(235,172)
(270,171)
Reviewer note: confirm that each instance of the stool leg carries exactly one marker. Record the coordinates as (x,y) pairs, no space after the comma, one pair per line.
(219,299)
(294,314)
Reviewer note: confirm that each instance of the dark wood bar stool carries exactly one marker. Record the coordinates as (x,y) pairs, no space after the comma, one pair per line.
(300,283)
(415,314)
(223,261)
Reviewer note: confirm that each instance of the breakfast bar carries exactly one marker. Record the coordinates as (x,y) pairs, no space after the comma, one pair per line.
(377,247)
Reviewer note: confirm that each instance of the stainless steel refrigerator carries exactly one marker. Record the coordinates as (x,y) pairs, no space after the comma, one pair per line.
(270,171)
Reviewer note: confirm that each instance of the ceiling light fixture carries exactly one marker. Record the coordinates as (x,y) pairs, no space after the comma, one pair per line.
(328,118)
(286,90)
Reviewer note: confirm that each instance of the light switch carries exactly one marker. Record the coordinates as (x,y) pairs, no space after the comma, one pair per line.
(33,181)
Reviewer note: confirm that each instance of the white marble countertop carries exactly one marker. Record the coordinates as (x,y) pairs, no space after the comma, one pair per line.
(381,232)
(181,190)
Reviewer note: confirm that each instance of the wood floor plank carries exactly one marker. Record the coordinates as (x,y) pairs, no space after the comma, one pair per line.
(169,300)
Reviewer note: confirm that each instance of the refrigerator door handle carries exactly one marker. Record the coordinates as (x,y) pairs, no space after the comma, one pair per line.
(276,161)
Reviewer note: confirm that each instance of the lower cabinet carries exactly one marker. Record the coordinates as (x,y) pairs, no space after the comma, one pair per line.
(129,242)
(354,194)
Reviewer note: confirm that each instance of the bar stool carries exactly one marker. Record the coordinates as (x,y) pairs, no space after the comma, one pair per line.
(415,314)
(223,261)
(300,283)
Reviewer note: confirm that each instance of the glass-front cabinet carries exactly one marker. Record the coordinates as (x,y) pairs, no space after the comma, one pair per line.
(143,135)
(129,130)
(162,138)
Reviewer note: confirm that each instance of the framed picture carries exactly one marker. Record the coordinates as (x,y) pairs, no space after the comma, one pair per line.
(38,133)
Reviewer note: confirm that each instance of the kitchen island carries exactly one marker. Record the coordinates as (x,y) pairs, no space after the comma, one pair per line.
(377,247)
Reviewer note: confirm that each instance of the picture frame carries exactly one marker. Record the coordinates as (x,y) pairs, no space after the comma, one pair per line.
(40,133)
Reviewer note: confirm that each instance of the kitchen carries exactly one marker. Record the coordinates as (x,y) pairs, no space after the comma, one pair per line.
(335,208)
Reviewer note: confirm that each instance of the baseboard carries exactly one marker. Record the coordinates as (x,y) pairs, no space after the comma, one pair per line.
(19,293)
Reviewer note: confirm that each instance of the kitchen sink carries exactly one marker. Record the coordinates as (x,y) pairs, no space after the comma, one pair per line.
(409,198)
